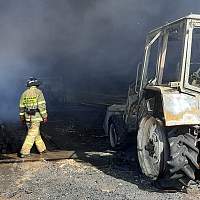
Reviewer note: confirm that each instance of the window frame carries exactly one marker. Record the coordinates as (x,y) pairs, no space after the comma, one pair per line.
(150,40)
(163,54)
(191,26)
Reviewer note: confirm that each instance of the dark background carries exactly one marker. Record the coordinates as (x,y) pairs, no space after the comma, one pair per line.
(81,49)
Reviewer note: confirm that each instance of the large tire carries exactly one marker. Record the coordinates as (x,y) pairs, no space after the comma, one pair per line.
(152,147)
(183,157)
(117,132)
(177,151)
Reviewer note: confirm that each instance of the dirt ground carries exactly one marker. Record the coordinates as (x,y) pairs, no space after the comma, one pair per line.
(97,172)
(72,179)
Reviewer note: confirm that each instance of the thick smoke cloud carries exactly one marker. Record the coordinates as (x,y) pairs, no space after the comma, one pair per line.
(93,45)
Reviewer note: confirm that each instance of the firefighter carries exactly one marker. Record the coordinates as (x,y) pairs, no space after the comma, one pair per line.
(32,112)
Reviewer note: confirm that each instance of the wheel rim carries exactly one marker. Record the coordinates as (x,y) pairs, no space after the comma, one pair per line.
(151,144)
(113,135)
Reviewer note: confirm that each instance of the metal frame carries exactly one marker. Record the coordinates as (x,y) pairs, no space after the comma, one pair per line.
(150,40)
(163,52)
(189,22)
(163,33)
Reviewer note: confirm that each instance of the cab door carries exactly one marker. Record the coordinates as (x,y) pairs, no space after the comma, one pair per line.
(149,74)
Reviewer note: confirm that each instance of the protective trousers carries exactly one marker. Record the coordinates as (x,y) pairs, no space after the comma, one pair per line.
(32,137)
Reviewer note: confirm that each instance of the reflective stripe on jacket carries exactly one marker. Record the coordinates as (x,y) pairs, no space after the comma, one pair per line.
(33,98)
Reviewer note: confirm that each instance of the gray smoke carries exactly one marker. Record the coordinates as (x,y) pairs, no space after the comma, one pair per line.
(93,45)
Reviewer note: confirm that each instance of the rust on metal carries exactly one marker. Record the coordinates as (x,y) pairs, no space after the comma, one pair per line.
(180,109)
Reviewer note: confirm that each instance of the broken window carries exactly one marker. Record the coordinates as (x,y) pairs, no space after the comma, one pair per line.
(194,73)
(173,57)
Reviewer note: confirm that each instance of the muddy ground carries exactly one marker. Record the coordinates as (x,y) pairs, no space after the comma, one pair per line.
(97,173)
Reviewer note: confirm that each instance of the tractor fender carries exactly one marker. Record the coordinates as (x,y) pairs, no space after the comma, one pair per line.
(178,108)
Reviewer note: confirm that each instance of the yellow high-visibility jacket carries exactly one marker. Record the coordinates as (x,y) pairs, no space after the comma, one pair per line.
(33,98)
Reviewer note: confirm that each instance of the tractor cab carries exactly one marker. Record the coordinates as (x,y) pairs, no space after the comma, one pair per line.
(172,56)
(171,67)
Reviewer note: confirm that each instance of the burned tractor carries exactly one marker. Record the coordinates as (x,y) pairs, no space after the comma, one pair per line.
(163,105)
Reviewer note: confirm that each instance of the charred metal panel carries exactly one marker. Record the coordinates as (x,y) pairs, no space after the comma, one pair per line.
(180,109)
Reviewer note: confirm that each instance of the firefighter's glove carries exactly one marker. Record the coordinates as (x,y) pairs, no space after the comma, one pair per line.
(45,120)
(22,120)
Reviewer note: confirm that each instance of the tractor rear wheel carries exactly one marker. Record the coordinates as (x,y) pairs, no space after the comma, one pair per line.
(170,158)
(183,157)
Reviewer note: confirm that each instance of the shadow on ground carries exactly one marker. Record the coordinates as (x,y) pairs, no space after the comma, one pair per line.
(64,132)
